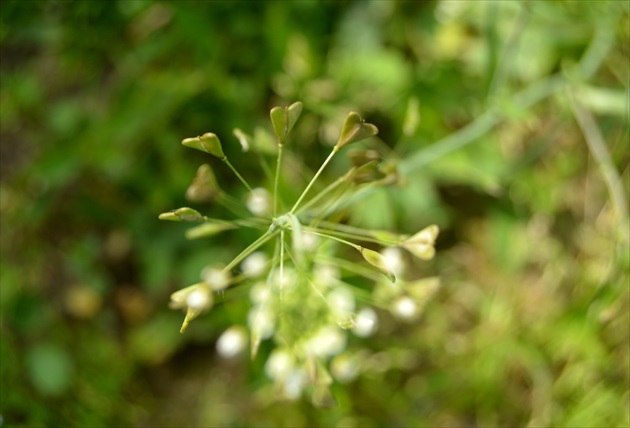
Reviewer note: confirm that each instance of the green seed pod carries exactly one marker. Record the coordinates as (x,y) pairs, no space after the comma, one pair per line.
(422,243)
(283,119)
(377,260)
(204,186)
(208,143)
(182,214)
(355,129)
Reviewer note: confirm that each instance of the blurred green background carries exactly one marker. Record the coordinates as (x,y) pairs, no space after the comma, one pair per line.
(531,325)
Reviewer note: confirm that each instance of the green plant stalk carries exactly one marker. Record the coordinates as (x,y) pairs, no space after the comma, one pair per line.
(306,276)
(353,267)
(597,147)
(347,235)
(227,162)
(276,180)
(533,94)
(250,249)
(321,194)
(343,241)
(281,263)
(310,184)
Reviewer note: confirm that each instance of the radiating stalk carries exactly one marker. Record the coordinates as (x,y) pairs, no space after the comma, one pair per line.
(317,174)
(276,180)
(227,162)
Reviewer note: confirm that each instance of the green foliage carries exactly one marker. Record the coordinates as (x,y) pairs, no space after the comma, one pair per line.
(489,113)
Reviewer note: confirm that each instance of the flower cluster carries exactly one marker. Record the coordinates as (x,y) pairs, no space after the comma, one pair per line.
(306,291)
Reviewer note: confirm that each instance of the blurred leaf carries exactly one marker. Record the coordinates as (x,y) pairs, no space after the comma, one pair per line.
(50,368)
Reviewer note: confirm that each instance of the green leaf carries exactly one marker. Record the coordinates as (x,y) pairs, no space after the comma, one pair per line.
(49,368)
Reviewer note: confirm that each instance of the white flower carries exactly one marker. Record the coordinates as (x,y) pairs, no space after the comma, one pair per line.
(310,241)
(405,308)
(279,364)
(259,202)
(215,277)
(261,321)
(344,367)
(326,274)
(259,293)
(294,384)
(232,342)
(328,341)
(394,260)
(341,301)
(255,264)
(366,322)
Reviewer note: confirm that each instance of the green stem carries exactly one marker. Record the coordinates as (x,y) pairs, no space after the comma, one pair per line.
(321,194)
(281,263)
(597,147)
(317,174)
(343,241)
(533,94)
(227,162)
(276,179)
(250,249)
(349,235)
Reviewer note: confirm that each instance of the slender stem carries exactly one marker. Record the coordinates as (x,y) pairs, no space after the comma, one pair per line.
(509,52)
(343,241)
(281,263)
(317,174)
(227,162)
(276,179)
(232,204)
(597,147)
(349,235)
(321,194)
(307,277)
(354,268)
(250,249)
(533,94)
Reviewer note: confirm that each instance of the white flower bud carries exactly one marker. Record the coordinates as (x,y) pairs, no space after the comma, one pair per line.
(294,384)
(261,321)
(328,341)
(232,342)
(405,308)
(327,275)
(215,277)
(341,301)
(394,260)
(310,241)
(259,293)
(199,298)
(366,322)
(255,264)
(279,364)
(344,368)
(287,280)
(259,202)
